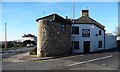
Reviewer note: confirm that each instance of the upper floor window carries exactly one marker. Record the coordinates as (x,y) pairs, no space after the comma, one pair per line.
(85,32)
(75,30)
(100,33)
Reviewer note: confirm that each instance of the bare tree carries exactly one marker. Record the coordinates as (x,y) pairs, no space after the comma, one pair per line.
(117,31)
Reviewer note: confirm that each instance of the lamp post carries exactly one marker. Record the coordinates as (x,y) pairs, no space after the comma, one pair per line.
(5,36)
(73,24)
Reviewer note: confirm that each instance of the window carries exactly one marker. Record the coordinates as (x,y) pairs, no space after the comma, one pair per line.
(85,32)
(100,44)
(75,44)
(75,30)
(99,32)
(63,27)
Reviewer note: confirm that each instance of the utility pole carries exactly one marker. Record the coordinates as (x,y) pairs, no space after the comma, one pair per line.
(73,22)
(5,36)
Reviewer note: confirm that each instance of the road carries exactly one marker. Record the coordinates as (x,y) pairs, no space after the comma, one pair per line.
(10,52)
(94,61)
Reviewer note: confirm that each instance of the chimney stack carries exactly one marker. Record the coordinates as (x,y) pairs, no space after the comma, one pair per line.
(66,17)
(85,13)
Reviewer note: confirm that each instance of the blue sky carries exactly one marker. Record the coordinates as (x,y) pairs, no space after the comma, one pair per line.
(21,16)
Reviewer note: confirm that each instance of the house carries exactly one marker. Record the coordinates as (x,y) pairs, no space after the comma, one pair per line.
(118,37)
(59,36)
(29,37)
(88,35)
(110,41)
(54,36)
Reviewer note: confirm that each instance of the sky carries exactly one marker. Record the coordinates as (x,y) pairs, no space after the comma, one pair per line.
(21,16)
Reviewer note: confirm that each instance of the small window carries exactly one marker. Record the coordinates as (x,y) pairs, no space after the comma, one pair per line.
(75,30)
(75,44)
(63,27)
(99,32)
(100,44)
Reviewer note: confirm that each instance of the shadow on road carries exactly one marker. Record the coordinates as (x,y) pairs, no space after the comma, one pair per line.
(96,52)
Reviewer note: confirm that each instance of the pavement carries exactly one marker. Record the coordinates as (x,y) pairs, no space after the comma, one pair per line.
(24,57)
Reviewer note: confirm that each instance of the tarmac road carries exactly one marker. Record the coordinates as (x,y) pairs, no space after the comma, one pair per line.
(94,61)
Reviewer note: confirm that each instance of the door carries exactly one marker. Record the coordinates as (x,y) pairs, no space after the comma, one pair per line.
(86,46)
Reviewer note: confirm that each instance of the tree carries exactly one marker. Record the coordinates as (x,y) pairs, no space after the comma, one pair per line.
(117,31)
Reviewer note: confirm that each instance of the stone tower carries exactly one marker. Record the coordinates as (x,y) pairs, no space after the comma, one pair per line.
(54,36)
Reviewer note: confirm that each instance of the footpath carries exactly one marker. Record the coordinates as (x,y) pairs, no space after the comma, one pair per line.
(24,57)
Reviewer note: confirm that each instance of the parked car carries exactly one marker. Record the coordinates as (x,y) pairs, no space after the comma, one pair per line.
(29,45)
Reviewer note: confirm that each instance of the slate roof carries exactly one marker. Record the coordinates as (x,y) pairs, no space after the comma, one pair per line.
(85,19)
(54,18)
(88,20)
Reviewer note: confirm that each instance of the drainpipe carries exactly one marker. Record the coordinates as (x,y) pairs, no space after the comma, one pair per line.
(104,40)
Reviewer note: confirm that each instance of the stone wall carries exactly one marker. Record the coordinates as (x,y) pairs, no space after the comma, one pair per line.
(54,38)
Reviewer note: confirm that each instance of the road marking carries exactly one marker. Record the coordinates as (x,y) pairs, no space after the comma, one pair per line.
(91,60)
(106,57)
(94,60)
(77,63)
(103,64)
(18,50)
(4,53)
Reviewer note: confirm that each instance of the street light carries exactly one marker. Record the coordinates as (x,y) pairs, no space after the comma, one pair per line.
(5,36)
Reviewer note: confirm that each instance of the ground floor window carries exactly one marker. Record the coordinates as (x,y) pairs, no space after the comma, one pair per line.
(75,44)
(100,44)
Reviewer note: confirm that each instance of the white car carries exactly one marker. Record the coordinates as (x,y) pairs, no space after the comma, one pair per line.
(29,45)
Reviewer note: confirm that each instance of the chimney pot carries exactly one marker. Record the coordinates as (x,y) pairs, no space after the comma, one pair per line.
(66,17)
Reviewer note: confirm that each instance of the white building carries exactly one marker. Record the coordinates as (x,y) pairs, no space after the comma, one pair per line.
(87,34)
(110,41)
(29,37)
(118,38)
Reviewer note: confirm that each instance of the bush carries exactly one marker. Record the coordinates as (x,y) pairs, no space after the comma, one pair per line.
(33,51)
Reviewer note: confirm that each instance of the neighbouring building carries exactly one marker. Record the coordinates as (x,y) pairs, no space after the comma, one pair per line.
(110,41)
(29,37)
(54,36)
(59,36)
(118,37)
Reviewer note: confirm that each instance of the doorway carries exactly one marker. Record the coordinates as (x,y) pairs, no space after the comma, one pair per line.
(86,46)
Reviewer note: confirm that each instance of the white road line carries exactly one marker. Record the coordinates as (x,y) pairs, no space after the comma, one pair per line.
(17,49)
(81,55)
(4,53)
(77,63)
(90,60)
(106,57)
(93,60)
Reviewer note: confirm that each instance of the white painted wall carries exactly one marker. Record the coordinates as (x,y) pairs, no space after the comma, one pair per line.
(28,38)
(93,38)
(118,38)
(111,41)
